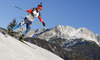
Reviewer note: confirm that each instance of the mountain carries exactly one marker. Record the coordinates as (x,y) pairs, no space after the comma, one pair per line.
(66,41)
(12,49)
(87,50)
(69,33)
(66,33)
(2,29)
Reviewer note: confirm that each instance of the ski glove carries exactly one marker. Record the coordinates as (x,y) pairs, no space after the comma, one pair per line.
(43,24)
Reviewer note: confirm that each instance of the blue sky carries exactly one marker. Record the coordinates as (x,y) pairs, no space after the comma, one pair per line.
(75,13)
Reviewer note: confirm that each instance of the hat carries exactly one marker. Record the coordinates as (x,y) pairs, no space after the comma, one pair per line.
(40,6)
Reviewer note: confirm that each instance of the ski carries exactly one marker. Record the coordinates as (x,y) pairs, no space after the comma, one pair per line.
(28,45)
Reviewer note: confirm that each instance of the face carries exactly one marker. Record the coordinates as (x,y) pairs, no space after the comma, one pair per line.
(38,10)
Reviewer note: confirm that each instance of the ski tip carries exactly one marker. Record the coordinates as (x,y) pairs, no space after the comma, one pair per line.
(13,5)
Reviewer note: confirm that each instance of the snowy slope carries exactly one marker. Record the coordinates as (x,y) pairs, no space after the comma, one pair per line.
(12,49)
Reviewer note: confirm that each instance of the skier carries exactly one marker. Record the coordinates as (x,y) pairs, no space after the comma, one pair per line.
(33,13)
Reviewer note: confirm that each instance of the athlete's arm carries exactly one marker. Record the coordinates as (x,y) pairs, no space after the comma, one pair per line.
(41,20)
(29,11)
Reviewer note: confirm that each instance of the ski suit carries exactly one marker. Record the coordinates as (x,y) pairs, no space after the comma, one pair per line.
(33,13)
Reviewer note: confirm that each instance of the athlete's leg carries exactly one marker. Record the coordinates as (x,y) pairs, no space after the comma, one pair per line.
(19,25)
(28,27)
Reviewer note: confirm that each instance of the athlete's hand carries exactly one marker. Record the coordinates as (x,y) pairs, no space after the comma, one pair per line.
(43,24)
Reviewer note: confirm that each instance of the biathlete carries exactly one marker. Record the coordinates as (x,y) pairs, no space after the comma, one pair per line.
(33,13)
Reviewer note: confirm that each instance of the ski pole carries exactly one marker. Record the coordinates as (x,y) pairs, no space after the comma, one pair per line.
(25,11)
(19,8)
(33,21)
(37,22)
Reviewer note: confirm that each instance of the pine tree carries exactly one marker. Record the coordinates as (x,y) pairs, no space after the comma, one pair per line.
(11,25)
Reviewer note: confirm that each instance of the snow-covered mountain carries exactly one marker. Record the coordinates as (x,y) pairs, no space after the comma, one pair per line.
(12,49)
(65,32)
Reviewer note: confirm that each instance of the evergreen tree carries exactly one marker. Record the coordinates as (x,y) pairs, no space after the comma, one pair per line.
(11,25)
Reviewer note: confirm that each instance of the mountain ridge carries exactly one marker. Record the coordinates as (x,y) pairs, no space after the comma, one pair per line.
(68,32)
(64,32)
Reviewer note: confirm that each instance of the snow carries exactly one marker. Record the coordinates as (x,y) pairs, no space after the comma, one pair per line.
(12,49)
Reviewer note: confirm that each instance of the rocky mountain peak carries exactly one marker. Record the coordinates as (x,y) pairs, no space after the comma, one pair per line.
(64,32)
(87,32)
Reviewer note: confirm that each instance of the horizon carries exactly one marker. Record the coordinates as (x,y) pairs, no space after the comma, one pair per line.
(73,13)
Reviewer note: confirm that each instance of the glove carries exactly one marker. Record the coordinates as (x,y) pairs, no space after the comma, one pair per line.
(43,24)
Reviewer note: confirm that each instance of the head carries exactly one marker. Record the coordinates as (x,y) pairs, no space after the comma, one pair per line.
(39,8)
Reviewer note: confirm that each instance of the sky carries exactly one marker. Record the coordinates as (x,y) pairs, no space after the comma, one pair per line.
(75,13)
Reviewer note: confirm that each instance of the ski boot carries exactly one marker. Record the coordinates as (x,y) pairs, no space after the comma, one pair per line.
(21,38)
